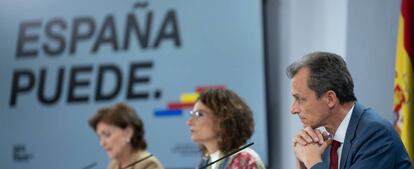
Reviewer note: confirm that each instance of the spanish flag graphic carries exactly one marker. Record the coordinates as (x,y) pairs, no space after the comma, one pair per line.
(404,77)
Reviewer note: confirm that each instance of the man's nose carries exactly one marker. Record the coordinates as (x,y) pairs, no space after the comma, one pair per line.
(294,108)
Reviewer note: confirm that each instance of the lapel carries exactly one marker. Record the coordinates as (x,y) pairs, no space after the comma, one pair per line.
(350,132)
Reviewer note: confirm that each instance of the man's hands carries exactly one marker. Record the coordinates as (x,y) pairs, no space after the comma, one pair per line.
(309,145)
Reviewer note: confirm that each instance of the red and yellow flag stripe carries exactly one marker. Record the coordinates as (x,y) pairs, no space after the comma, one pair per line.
(404,77)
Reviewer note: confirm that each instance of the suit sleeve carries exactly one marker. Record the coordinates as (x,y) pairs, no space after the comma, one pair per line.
(373,148)
(321,165)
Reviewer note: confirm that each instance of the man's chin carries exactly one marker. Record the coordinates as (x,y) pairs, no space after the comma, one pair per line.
(310,125)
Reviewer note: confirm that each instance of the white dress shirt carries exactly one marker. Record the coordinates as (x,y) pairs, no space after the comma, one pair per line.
(213,157)
(341,133)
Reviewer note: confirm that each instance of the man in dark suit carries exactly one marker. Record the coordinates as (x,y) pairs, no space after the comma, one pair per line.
(357,137)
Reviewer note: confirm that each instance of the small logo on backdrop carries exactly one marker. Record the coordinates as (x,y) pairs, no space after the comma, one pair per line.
(186,149)
(187,101)
(20,154)
(141,4)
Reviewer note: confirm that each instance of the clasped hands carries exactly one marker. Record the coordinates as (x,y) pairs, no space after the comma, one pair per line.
(309,145)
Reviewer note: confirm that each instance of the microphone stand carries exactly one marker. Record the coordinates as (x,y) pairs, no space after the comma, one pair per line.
(90,165)
(142,159)
(227,155)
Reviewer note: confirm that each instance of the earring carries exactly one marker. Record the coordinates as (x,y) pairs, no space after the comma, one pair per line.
(219,139)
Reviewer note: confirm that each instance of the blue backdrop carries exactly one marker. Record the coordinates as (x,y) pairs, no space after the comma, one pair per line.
(63,60)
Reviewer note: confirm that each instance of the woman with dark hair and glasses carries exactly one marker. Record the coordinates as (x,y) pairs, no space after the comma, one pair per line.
(121,134)
(220,123)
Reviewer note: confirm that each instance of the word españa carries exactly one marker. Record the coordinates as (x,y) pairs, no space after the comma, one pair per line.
(79,78)
(85,29)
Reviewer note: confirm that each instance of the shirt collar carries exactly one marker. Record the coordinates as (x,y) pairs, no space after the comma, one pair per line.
(341,131)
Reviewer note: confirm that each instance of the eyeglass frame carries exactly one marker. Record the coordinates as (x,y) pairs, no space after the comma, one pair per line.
(196,114)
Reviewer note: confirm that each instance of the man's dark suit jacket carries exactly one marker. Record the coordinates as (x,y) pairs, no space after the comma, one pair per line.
(370,143)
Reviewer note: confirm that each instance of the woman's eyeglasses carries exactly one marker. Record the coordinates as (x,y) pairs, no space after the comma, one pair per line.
(196,114)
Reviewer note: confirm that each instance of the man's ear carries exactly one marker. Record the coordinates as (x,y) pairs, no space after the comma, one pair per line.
(331,98)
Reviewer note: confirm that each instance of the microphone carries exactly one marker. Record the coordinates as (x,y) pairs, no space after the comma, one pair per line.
(227,155)
(90,165)
(142,159)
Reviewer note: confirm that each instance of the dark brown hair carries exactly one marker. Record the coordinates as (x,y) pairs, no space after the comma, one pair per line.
(328,71)
(122,116)
(234,118)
